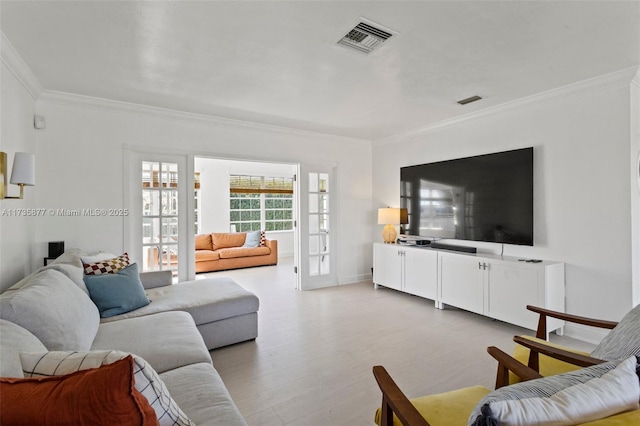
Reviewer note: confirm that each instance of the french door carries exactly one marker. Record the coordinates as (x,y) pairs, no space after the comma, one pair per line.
(316,260)
(158,224)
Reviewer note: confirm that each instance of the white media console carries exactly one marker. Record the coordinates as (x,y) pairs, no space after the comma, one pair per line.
(498,287)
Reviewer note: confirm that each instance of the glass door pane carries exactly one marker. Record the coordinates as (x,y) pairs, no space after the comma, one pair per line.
(160,216)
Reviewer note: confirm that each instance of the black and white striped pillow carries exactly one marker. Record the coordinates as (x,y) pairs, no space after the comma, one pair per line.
(623,341)
(147,381)
(565,399)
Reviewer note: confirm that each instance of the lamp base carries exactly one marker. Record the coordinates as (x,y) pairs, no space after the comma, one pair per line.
(389,234)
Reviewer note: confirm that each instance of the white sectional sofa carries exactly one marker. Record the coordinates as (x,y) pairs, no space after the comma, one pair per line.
(51,310)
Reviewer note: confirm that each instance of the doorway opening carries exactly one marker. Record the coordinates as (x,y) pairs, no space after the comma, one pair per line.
(232,196)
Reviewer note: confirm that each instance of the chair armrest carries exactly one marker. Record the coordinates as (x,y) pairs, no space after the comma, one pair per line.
(154,279)
(508,363)
(560,354)
(541,332)
(395,401)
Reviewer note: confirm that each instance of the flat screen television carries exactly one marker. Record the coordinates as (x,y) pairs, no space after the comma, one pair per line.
(482,198)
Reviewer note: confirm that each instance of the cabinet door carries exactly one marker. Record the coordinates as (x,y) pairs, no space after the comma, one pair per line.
(511,287)
(461,281)
(420,272)
(387,266)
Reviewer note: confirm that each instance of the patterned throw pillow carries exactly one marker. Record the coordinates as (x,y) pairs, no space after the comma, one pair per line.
(147,380)
(576,397)
(263,239)
(623,341)
(109,266)
(108,394)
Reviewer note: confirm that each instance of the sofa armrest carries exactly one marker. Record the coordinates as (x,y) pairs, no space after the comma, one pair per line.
(273,245)
(154,279)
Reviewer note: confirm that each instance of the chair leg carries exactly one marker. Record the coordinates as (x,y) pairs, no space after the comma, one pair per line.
(386,416)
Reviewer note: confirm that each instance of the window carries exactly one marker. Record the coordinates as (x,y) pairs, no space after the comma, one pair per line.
(259,202)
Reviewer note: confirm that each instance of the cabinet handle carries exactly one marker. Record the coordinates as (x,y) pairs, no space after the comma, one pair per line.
(479,265)
(483,266)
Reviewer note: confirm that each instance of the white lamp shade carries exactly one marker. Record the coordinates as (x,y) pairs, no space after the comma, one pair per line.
(24,169)
(389,216)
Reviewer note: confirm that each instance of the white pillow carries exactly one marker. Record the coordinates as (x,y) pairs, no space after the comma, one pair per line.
(54,309)
(147,381)
(98,257)
(572,398)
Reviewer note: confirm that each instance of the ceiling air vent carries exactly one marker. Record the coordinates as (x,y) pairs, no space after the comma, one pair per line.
(365,37)
(469,100)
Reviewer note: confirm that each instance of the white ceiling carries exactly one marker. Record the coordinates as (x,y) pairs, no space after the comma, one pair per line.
(278,63)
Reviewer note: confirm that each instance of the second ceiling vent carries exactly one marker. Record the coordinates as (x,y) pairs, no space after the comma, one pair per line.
(365,37)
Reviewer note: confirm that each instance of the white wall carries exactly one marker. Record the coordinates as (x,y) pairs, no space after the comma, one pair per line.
(635,184)
(581,177)
(87,144)
(17,252)
(214,194)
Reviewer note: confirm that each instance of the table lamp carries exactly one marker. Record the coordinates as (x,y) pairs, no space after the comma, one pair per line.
(389,217)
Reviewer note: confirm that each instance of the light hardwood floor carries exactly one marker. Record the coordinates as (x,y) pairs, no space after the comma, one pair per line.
(311,363)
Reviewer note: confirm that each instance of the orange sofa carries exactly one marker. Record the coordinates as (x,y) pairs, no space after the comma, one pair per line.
(220,251)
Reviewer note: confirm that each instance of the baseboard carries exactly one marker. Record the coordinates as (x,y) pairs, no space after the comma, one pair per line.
(585,333)
(353,279)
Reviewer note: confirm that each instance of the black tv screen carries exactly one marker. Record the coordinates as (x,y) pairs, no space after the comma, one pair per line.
(482,198)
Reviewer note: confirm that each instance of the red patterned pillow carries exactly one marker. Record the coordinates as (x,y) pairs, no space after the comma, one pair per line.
(263,239)
(108,266)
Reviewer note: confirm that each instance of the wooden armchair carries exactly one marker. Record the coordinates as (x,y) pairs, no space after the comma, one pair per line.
(449,408)
(550,359)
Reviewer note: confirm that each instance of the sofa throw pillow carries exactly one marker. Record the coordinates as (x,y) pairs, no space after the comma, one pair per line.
(147,381)
(115,294)
(107,266)
(252,239)
(54,310)
(622,341)
(105,396)
(263,239)
(96,257)
(565,399)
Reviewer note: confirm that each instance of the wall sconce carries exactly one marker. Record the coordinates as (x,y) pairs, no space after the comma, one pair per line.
(389,217)
(23,173)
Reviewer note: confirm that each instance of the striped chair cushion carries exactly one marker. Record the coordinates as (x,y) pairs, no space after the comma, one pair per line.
(623,341)
(566,399)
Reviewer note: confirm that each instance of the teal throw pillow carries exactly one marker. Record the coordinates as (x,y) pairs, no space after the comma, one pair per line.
(252,239)
(115,294)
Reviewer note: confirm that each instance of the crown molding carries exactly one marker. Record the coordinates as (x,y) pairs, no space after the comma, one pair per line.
(14,62)
(616,79)
(103,104)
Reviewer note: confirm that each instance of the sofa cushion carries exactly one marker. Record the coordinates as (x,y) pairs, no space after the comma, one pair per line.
(13,340)
(117,293)
(229,253)
(566,399)
(207,300)
(147,381)
(225,240)
(166,340)
(200,392)
(203,242)
(55,310)
(108,390)
(206,255)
